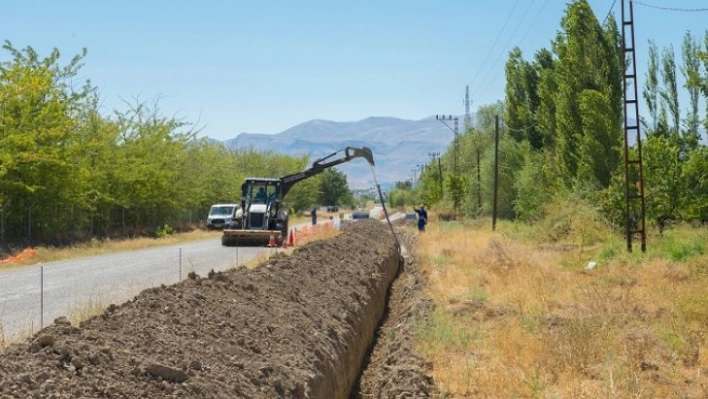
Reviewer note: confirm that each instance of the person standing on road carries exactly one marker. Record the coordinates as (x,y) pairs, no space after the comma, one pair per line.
(313,213)
(422,217)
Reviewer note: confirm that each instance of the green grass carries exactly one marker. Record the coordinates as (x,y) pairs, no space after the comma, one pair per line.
(445,331)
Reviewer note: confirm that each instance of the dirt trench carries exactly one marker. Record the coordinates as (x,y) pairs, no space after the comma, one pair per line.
(297,326)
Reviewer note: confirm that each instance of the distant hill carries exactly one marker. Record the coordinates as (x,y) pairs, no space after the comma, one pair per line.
(398,145)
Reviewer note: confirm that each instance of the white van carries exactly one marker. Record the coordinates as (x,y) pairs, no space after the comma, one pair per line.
(220,215)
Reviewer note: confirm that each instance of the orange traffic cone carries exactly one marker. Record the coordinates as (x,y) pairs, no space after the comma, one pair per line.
(291,239)
(272,243)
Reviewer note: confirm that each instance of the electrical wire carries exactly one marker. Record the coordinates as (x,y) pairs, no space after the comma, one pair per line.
(521,129)
(609,12)
(494,44)
(671,8)
(483,89)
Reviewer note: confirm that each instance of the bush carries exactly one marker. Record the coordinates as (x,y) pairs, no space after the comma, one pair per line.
(164,231)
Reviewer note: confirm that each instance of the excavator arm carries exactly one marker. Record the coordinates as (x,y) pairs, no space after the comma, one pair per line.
(327,162)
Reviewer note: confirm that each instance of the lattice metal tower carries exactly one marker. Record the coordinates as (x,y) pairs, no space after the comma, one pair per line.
(635,207)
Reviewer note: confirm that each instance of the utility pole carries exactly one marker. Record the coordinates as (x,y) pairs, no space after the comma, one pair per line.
(468,119)
(635,204)
(455,167)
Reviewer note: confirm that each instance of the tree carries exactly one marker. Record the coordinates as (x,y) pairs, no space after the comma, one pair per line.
(333,188)
(664,183)
(599,152)
(547,88)
(587,60)
(521,100)
(532,190)
(695,173)
(669,92)
(38,105)
(651,86)
(691,72)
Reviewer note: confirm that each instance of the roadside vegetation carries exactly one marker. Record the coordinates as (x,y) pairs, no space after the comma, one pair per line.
(523,312)
(552,304)
(72,174)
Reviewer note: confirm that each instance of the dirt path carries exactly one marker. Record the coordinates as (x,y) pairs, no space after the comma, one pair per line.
(297,326)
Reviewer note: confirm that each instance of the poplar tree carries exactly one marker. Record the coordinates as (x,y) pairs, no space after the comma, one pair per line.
(691,73)
(669,91)
(650,91)
(588,95)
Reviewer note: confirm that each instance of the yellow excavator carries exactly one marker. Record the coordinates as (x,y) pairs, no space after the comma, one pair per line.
(261,214)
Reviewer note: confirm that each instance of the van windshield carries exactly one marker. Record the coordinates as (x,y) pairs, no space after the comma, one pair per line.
(221,210)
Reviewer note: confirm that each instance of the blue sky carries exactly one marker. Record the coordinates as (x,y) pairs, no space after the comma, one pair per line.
(264,66)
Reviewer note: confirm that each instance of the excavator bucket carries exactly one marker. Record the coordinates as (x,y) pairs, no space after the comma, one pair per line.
(364,152)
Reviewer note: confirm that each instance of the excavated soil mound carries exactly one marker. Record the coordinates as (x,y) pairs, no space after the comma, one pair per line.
(297,326)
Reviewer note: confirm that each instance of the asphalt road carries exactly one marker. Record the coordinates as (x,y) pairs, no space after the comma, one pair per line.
(70,287)
(73,286)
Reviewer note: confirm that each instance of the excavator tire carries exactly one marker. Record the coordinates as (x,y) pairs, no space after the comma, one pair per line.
(226,242)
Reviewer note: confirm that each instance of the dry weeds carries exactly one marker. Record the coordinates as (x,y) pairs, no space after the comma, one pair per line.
(519,319)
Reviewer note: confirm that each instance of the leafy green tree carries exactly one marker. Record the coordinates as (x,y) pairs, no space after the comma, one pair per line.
(303,195)
(669,91)
(400,196)
(651,86)
(695,171)
(531,186)
(586,61)
(333,188)
(599,146)
(510,160)
(691,72)
(521,100)
(664,182)
(38,102)
(547,89)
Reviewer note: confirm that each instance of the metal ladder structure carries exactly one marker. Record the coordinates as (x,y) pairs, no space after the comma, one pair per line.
(633,171)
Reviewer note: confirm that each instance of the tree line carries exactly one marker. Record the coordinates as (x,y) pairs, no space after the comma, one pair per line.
(69,173)
(562,135)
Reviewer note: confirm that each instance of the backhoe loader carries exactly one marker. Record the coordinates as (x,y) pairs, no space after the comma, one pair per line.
(261,215)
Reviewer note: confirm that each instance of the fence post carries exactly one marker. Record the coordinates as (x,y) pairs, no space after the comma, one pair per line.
(41,297)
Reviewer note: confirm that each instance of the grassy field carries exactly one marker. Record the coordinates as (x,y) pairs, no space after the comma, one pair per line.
(522,312)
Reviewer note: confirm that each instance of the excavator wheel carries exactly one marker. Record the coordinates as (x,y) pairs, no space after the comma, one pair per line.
(226,242)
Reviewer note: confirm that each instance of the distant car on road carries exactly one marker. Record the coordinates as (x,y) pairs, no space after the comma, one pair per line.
(220,215)
(332,208)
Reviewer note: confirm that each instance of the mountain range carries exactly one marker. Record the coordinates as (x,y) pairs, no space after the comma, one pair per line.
(399,145)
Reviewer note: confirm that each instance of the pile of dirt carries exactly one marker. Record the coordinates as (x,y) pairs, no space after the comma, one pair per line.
(296,326)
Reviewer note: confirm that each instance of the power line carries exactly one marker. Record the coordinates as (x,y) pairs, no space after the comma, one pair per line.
(520,129)
(494,44)
(609,12)
(483,88)
(672,8)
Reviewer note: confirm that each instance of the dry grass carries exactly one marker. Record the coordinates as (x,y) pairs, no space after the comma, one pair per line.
(519,319)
